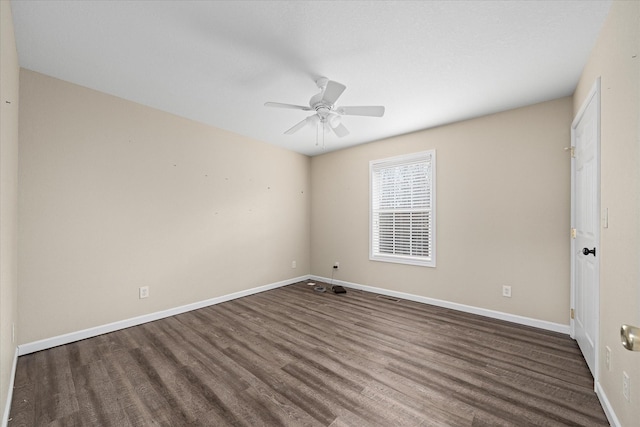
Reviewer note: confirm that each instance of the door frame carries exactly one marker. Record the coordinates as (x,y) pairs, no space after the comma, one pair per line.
(594,93)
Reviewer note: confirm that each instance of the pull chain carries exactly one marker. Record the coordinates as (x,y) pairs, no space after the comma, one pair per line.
(320,124)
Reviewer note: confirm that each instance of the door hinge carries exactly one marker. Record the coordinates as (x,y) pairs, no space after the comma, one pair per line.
(572,314)
(572,150)
(573,233)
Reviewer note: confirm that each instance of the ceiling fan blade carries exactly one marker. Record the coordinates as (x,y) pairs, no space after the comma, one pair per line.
(311,119)
(372,111)
(332,92)
(290,106)
(340,130)
(296,128)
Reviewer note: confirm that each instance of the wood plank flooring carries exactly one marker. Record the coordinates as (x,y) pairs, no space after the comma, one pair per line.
(295,357)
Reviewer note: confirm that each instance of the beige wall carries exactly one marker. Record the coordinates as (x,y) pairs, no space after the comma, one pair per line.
(503,211)
(9,73)
(616,59)
(114,195)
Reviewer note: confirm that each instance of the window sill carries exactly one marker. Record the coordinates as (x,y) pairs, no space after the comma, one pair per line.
(422,262)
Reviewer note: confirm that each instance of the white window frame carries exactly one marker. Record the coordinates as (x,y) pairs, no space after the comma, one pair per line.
(392,162)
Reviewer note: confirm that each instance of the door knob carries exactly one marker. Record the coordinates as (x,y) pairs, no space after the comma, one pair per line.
(587,251)
(630,337)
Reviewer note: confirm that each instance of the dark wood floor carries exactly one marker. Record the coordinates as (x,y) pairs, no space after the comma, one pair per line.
(295,357)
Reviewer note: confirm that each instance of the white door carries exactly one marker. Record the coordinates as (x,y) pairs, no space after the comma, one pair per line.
(585,132)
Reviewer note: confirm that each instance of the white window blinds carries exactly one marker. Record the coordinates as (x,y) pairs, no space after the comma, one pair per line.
(403,209)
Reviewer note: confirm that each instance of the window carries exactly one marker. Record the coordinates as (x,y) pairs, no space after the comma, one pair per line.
(402,215)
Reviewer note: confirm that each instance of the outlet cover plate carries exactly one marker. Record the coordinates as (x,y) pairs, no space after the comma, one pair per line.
(143,292)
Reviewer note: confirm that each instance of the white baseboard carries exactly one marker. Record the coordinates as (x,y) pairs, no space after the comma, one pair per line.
(7,406)
(606,406)
(122,324)
(542,324)
(127,323)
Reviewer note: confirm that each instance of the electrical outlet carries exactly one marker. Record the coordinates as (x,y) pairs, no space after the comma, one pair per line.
(144,292)
(336,265)
(506,291)
(625,385)
(293,264)
(607,357)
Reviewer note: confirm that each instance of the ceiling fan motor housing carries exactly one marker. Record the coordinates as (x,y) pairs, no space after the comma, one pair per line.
(322,110)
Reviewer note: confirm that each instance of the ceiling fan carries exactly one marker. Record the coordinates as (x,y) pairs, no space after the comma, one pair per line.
(327,114)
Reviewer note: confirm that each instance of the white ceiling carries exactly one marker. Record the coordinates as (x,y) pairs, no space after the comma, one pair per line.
(217,62)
